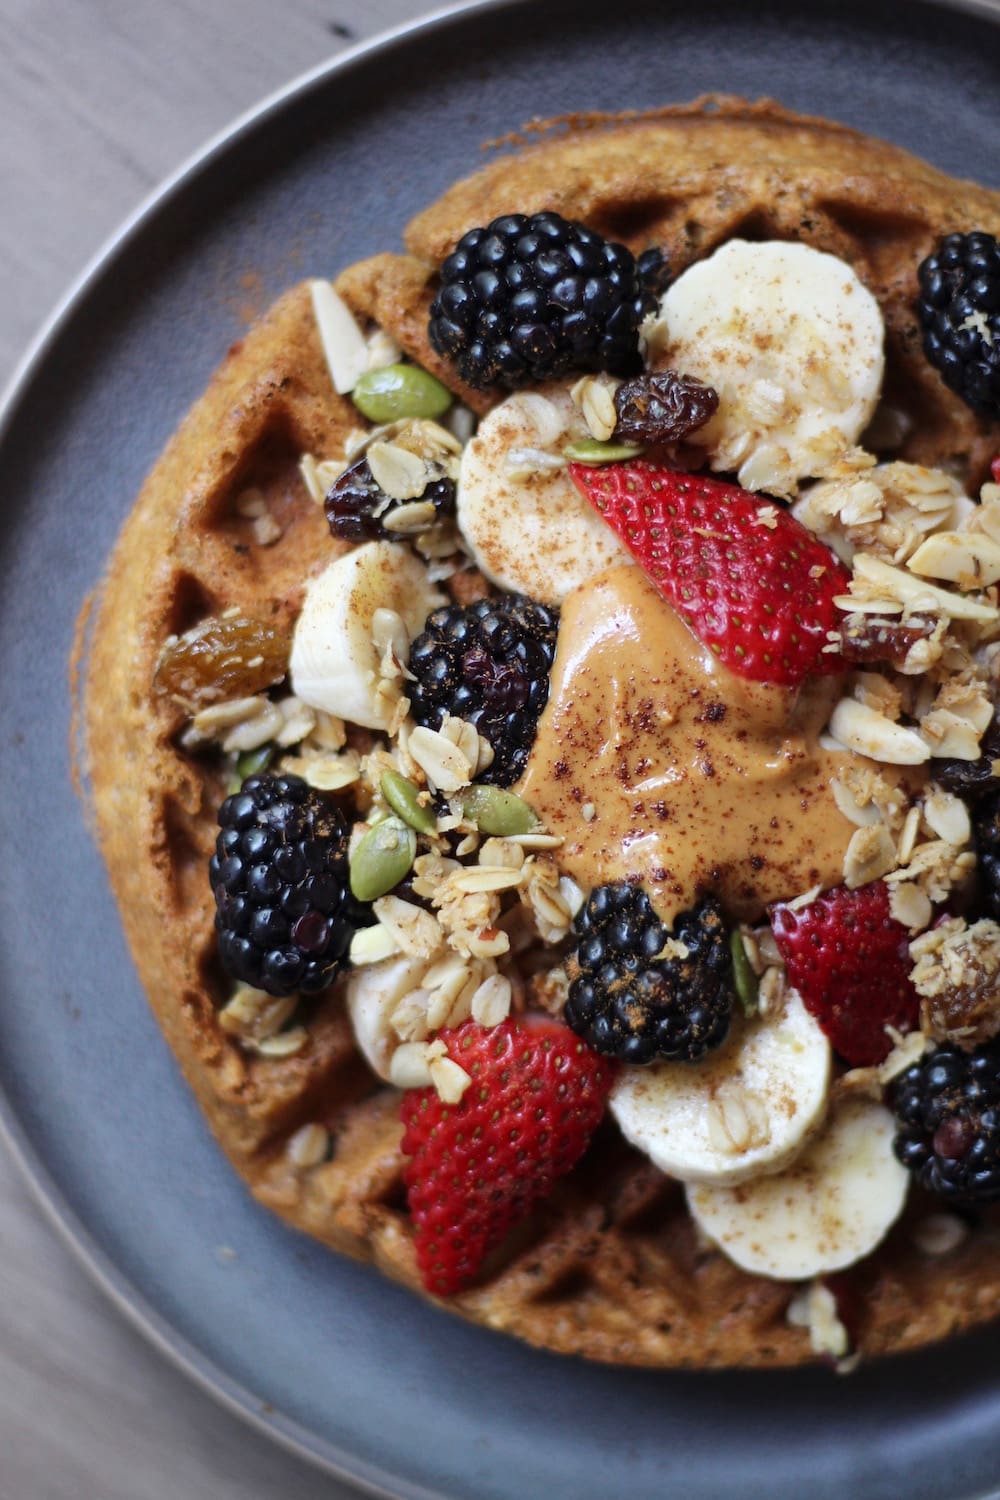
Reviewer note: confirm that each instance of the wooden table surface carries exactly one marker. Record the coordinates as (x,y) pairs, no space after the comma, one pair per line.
(100,100)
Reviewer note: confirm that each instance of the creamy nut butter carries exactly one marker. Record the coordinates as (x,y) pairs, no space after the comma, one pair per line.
(654,761)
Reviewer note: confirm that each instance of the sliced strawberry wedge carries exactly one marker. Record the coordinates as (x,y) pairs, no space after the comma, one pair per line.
(849,960)
(750,581)
(478,1167)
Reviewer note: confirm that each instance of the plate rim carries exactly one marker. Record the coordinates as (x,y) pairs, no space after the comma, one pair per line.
(98,1264)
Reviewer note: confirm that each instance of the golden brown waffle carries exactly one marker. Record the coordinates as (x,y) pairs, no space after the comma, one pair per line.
(611,1267)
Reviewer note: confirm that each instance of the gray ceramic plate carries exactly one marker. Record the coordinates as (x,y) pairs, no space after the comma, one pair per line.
(325,1355)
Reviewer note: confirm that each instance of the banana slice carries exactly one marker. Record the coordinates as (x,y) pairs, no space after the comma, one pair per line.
(829,1209)
(527,524)
(793,343)
(372,994)
(335,656)
(747,1109)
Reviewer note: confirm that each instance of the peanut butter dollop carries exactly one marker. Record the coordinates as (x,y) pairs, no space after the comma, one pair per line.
(654,761)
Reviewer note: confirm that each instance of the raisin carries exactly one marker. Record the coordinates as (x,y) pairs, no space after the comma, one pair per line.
(231,657)
(662,408)
(355,504)
(869,640)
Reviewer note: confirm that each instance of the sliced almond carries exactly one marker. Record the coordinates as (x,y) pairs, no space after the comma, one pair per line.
(899,584)
(870,854)
(486,878)
(862,815)
(910,906)
(908,836)
(948,736)
(344,345)
(869,733)
(370,945)
(948,816)
(445,765)
(967,558)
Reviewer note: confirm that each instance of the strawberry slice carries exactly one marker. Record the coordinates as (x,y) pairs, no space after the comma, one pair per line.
(478,1167)
(750,580)
(849,960)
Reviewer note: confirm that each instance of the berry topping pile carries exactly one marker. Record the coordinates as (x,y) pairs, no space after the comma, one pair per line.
(959,310)
(849,960)
(285,916)
(695,840)
(531,297)
(760,595)
(948,1111)
(478,1167)
(637,991)
(487,663)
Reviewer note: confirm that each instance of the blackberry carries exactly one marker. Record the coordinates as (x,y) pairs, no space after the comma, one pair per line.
(947,1109)
(285,916)
(489,663)
(629,1002)
(986,837)
(529,298)
(355,504)
(959,311)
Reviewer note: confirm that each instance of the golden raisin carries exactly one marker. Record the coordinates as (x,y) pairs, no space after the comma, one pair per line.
(219,659)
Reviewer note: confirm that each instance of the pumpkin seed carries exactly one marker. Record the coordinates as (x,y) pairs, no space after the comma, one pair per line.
(397,392)
(590,451)
(497,812)
(252,762)
(402,797)
(382,859)
(744,977)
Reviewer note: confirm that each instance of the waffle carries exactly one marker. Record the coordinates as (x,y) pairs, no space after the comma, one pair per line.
(610,1267)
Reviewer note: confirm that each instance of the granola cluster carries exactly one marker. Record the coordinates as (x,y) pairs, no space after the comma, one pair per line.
(921,618)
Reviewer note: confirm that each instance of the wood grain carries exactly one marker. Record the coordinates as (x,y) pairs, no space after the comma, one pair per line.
(99,100)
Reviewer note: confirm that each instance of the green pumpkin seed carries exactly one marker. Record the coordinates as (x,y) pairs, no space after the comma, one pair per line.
(590,451)
(382,859)
(252,762)
(498,812)
(398,391)
(744,977)
(402,797)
